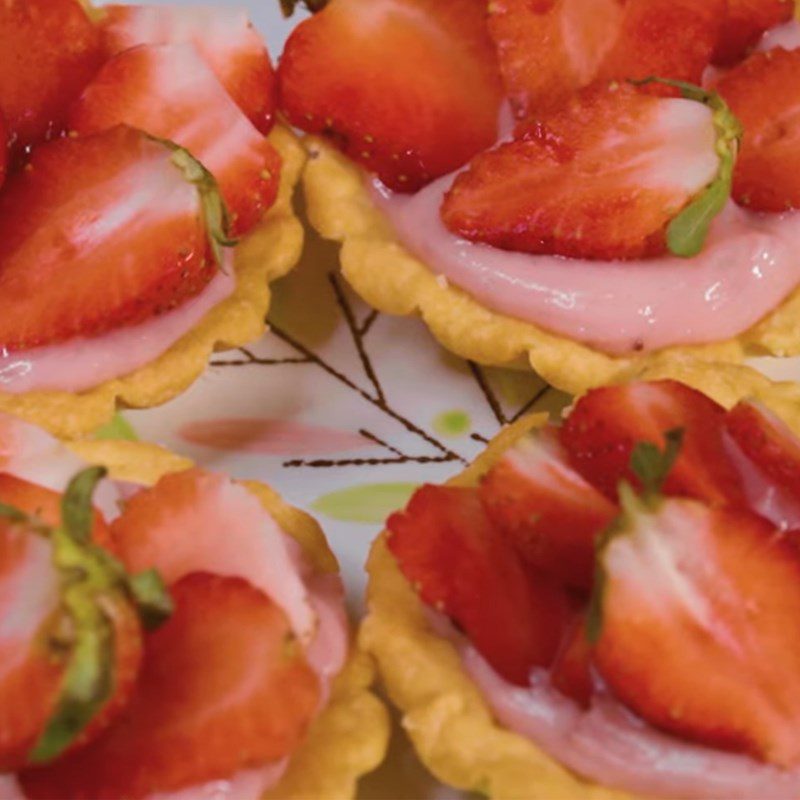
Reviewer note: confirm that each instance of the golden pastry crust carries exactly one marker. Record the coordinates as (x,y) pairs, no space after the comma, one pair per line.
(443,711)
(390,279)
(266,254)
(350,737)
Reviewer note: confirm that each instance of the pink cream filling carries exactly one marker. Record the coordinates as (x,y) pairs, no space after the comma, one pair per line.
(610,746)
(749,265)
(29,453)
(81,363)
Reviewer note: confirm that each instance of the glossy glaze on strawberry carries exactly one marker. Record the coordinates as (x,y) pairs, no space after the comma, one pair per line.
(585,222)
(249,637)
(99,239)
(675,601)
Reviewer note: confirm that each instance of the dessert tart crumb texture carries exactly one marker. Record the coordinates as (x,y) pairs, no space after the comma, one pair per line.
(392,280)
(349,738)
(443,711)
(264,255)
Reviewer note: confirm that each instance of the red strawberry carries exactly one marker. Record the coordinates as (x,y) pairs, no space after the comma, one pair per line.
(549,512)
(3,150)
(223,688)
(571,673)
(95,233)
(224,37)
(408,88)
(33,653)
(605,425)
(697,626)
(198,521)
(768,442)
(744,24)
(764,92)
(48,51)
(448,548)
(548,49)
(601,177)
(169,92)
(45,505)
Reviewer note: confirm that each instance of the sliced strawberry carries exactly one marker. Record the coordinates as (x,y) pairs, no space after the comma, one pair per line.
(446,545)
(223,688)
(169,92)
(699,626)
(224,37)
(549,512)
(198,521)
(33,651)
(764,92)
(605,425)
(408,88)
(95,233)
(549,49)
(45,505)
(744,24)
(768,442)
(571,673)
(601,177)
(48,51)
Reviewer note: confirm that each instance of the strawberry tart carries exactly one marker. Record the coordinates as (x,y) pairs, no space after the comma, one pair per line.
(585,187)
(169,634)
(608,607)
(145,202)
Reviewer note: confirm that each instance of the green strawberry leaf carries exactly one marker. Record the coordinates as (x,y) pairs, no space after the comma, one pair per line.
(652,465)
(688,231)
(152,599)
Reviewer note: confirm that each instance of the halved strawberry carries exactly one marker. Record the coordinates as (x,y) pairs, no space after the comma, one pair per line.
(224,37)
(548,511)
(170,92)
(408,88)
(745,22)
(768,442)
(697,625)
(49,51)
(549,49)
(571,673)
(604,426)
(198,521)
(99,232)
(223,688)
(51,661)
(448,548)
(601,177)
(45,505)
(764,92)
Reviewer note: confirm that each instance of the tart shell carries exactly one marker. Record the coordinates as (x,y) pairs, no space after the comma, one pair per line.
(392,280)
(266,254)
(350,736)
(443,711)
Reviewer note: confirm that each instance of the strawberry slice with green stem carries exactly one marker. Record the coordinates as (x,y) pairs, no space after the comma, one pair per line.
(72,650)
(549,49)
(614,174)
(223,36)
(448,548)
(407,88)
(49,50)
(224,687)
(549,513)
(695,621)
(605,425)
(103,231)
(169,92)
